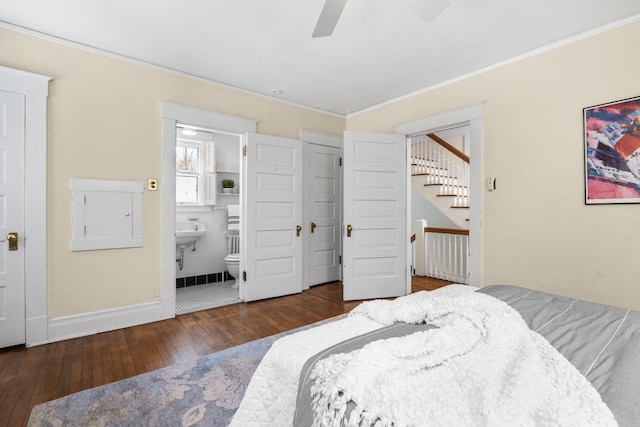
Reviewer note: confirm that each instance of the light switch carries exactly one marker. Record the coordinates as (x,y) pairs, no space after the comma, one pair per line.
(491,183)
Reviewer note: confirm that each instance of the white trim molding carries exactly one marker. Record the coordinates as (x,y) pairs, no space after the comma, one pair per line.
(321,138)
(35,88)
(444,120)
(207,119)
(471,116)
(79,325)
(171,115)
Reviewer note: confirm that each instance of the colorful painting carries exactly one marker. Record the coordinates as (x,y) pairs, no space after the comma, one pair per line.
(612,152)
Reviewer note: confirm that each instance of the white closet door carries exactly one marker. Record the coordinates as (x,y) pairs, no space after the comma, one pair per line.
(375,235)
(324,196)
(274,217)
(12,262)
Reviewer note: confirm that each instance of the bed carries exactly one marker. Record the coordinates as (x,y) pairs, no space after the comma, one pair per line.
(589,352)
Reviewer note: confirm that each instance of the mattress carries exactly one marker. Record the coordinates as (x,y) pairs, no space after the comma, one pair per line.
(600,341)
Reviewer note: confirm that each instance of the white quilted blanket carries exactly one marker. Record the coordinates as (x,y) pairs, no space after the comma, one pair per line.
(270,398)
(480,366)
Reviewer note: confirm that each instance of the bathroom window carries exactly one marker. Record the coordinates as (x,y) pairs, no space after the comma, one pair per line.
(195,167)
(189,175)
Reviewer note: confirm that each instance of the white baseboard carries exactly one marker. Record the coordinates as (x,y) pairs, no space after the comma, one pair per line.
(81,325)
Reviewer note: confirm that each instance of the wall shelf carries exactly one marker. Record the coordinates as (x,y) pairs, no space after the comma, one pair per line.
(228,168)
(227,171)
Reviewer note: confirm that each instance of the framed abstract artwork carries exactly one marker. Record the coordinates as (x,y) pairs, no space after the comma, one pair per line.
(612,152)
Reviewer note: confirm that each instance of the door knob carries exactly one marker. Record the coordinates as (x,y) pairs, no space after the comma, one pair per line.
(349,230)
(13,241)
(313,227)
(298,230)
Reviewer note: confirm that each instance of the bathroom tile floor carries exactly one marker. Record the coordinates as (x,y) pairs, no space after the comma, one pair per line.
(202,297)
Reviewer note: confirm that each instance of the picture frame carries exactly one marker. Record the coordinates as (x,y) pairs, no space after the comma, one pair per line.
(612,152)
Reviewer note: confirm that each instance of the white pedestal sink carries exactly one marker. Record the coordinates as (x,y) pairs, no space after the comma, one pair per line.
(188,232)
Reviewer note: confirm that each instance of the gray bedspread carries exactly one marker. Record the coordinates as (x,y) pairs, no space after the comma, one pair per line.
(601,341)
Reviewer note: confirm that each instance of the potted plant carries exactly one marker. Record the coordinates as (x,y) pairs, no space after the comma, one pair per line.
(227,186)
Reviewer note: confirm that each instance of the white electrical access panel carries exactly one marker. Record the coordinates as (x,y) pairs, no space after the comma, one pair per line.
(106,214)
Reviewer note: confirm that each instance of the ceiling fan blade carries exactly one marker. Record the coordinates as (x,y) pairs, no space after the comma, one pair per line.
(427,9)
(329,16)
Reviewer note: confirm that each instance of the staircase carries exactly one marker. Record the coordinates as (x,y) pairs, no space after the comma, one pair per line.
(440,173)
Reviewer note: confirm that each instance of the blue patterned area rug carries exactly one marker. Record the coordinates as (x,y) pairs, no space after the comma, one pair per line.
(202,392)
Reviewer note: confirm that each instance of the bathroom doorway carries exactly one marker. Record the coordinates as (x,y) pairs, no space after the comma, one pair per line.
(207,217)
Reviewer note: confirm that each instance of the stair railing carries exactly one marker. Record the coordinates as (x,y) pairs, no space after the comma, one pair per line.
(443,165)
(441,253)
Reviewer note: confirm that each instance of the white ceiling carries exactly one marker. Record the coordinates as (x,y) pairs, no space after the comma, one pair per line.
(380,49)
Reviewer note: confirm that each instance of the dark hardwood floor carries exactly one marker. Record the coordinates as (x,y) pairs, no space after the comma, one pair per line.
(29,376)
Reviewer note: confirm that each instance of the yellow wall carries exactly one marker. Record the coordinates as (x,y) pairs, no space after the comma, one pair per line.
(537,230)
(104,122)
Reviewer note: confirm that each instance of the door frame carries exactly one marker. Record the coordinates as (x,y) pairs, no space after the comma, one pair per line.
(35,89)
(471,116)
(172,114)
(328,140)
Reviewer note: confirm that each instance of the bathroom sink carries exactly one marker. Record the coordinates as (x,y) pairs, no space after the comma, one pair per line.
(188,232)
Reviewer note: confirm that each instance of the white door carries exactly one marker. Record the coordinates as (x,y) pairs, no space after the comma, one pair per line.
(375,233)
(273,251)
(12,285)
(325,210)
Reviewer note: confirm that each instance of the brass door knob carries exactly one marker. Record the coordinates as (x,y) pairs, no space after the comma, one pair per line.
(313,227)
(13,241)
(349,230)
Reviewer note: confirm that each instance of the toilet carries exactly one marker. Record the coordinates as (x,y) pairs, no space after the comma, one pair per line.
(233,267)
